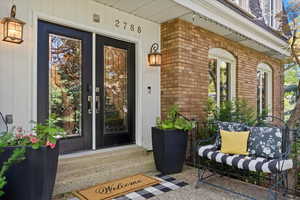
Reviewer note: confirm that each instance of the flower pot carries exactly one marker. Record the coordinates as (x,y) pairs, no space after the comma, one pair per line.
(34,177)
(169,148)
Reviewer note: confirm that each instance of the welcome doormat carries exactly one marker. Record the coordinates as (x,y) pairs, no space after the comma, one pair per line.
(167,184)
(117,188)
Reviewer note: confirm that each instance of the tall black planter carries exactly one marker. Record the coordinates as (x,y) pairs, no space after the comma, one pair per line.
(33,178)
(169,148)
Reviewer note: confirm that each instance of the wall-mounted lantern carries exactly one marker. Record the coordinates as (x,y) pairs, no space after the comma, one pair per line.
(13,28)
(154,57)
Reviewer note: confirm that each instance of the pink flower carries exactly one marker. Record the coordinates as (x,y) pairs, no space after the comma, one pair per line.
(34,140)
(19,129)
(51,145)
(19,136)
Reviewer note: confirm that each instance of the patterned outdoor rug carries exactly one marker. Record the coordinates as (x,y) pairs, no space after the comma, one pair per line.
(166,184)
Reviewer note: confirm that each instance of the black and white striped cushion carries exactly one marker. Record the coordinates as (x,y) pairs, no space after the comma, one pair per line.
(245,162)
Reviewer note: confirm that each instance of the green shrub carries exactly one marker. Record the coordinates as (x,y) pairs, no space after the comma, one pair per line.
(232,111)
(229,111)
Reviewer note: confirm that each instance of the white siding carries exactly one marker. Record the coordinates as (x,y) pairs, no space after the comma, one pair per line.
(18,62)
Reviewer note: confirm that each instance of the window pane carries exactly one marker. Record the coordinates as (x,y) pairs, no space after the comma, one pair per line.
(65,82)
(258,91)
(268,9)
(224,81)
(264,90)
(212,77)
(115,83)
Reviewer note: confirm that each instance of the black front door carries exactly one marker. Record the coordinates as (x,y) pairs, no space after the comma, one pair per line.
(65,82)
(115,92)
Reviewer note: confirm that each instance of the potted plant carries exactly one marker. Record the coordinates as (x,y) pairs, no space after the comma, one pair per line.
(169,140)
(32,178)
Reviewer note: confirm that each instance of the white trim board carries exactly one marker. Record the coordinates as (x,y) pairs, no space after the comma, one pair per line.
(226,16)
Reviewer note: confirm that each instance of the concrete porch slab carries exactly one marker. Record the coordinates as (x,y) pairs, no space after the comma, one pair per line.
(205,192)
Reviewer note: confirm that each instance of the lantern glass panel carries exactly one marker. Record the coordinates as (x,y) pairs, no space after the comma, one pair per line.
(158,59)
(14,30)
(5,29)
(152,59)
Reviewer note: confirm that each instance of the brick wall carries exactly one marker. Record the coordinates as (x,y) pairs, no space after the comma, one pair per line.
(184,69)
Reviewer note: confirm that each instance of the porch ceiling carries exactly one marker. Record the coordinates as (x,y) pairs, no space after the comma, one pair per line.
(157,11)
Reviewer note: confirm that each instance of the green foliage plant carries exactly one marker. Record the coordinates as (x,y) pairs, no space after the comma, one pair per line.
(233,111)
(229,111)
(42,135)
(175,121)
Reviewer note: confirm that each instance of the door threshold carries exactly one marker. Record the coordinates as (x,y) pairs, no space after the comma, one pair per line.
(92,152)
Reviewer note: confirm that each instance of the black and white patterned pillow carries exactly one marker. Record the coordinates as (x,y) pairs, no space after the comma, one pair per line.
(229,126)
(265,142)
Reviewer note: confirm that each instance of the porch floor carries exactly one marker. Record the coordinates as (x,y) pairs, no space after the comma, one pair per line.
(205,192)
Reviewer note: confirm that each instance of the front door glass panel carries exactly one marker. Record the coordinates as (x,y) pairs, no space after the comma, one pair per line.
(115,90)
(65,64)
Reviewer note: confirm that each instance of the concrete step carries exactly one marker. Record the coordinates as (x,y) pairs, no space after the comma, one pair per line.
(85,171)
(83,162)
(99,165)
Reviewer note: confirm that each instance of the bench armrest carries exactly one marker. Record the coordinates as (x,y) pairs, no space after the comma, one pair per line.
(209,140)
(287,153)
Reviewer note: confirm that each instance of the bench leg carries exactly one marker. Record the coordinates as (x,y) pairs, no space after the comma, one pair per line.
(285,184)
(272,191)
(201,173)
(280,185)
(202,176)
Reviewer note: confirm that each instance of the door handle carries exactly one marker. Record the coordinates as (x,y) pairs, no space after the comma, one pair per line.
(90,104)
(98,104)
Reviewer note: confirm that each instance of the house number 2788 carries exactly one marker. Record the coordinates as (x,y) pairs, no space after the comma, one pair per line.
(126,26)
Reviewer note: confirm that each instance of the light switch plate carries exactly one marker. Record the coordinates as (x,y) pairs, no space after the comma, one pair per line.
(9,119)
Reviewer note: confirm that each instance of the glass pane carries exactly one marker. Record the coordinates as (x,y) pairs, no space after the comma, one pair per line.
(224,81)
(115,87)
(258,91)
(65,82)
(267,8)
(212,77)
(264,90)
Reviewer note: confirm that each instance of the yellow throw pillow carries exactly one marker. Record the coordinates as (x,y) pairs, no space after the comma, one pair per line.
(234,142)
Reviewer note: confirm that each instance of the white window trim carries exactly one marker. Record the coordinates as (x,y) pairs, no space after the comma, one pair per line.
(223,55)
(244,4)
(262,67)
(277,7)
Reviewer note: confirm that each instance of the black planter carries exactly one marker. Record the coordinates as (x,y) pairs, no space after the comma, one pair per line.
(169,148)
(33,178)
